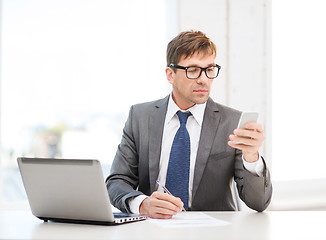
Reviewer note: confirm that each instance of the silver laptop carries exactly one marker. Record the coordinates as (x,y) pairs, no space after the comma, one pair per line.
(69,190)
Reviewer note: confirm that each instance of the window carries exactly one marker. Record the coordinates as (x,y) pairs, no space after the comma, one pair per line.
(298,89)
(70,72)
(298,103)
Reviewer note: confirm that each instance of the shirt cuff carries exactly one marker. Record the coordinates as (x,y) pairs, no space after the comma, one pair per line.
(134,203)
(254,167)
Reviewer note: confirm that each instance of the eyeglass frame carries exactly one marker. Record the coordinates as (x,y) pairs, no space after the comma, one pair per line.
(201,70)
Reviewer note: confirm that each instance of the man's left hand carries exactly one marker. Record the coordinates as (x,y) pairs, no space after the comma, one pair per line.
(249,140)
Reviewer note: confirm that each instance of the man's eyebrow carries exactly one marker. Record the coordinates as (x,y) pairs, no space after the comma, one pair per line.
(196,65)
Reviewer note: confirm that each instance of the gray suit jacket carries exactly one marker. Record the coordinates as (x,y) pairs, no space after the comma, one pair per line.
(136,165)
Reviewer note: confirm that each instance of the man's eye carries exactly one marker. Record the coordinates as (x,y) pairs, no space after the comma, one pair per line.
(193,70)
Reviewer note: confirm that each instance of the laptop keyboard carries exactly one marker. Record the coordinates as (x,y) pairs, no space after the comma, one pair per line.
(124,215)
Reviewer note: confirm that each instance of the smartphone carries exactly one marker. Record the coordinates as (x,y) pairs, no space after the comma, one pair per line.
(245,118)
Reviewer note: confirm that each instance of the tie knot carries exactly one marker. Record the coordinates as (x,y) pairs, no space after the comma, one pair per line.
(183,116)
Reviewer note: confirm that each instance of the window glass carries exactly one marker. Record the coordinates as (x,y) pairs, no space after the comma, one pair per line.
(299,97)
(70,72)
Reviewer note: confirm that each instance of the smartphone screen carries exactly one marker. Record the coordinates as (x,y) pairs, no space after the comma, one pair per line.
(247,117)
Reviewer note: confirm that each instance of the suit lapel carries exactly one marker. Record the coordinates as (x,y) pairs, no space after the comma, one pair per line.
(207,135)
(156,125)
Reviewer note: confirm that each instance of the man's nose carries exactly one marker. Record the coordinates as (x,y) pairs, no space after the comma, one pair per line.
(202,78)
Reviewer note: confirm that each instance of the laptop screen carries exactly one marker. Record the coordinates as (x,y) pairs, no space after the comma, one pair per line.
(66,189)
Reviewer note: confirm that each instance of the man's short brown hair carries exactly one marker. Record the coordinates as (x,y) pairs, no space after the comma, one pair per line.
(187,44)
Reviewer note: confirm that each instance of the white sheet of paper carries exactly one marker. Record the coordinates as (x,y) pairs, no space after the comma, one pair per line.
(189,219)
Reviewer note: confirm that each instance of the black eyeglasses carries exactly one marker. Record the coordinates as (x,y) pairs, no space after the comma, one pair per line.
(195,72)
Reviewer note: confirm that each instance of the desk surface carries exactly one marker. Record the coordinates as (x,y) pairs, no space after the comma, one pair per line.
(244,225)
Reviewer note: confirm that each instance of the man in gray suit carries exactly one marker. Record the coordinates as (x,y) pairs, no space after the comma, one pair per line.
(218,151)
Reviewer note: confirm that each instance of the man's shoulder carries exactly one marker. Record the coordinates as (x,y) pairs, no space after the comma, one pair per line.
(223,109)
(226,114)
(141,112)
(151,104)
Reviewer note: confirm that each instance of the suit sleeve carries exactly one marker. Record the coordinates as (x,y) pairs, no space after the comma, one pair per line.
(255,191)
(123,179)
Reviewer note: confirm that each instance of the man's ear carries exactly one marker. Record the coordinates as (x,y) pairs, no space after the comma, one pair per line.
(170,75)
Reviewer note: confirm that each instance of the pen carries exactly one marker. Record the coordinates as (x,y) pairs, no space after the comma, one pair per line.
(168,192)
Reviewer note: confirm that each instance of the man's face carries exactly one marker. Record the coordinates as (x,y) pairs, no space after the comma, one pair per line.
(188,92)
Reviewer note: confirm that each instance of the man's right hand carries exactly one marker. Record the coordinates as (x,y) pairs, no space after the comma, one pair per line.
(160,205)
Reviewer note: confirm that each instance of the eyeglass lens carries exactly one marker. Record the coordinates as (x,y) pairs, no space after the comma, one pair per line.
(195,72)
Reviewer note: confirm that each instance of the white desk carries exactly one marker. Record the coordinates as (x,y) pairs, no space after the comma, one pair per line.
(244,225)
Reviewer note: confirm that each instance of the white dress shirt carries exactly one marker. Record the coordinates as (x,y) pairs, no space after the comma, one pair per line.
(171,126)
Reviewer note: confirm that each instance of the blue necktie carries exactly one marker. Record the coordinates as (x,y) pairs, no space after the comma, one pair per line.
(177,177)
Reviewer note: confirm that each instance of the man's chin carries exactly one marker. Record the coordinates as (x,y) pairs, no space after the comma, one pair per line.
(201,100)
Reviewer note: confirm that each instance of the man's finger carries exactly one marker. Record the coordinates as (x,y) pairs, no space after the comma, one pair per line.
(243,140)
(242,147)
(254,126)
(162,205)
(167,197)
(248,134)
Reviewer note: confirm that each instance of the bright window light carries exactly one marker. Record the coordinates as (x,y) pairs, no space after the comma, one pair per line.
(70,72)
(299,97)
